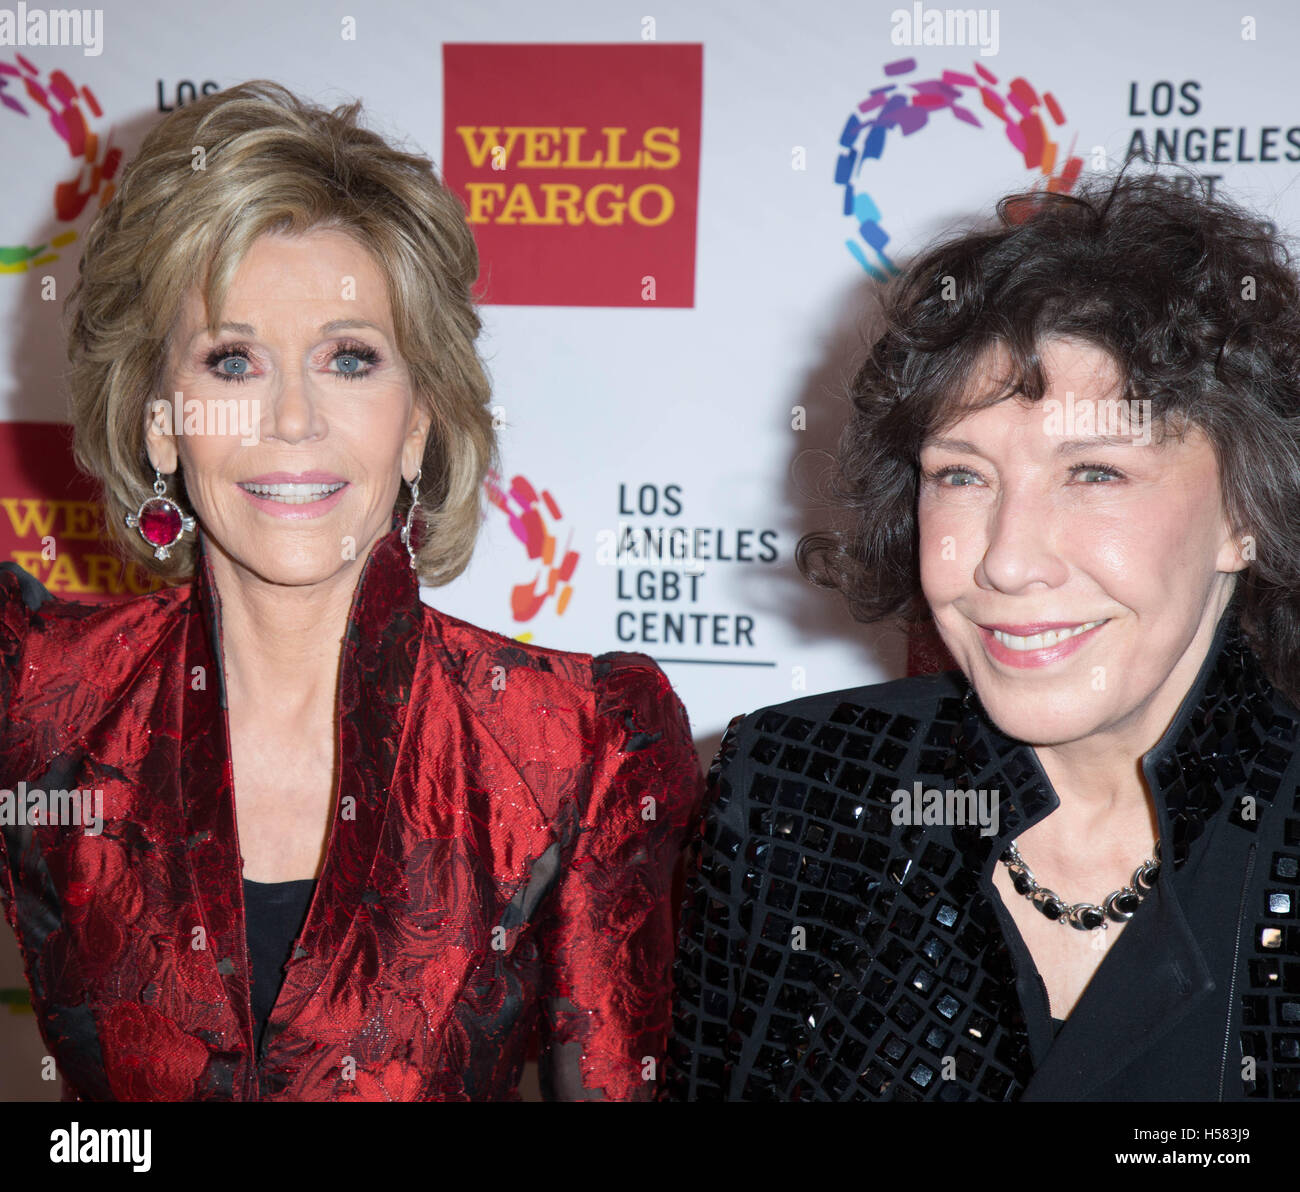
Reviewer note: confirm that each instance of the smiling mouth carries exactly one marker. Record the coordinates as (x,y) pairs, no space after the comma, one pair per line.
(292,494)
(1044,641)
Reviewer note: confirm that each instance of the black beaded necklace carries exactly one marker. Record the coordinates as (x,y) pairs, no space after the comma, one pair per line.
(1117,906)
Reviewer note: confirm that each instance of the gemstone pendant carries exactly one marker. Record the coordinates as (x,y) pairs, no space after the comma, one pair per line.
(161,524)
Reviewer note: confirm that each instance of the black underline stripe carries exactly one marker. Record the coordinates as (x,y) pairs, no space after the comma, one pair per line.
(714,662)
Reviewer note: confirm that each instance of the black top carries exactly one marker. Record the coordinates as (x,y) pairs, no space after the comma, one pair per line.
(836,945)
(275,913)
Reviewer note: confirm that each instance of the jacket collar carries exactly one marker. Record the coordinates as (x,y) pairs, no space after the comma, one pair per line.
(387,583)
(1211,747)
(1215,747)
(379,652)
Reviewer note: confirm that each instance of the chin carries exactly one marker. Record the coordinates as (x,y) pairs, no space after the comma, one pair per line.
(296,568)
(1043,720)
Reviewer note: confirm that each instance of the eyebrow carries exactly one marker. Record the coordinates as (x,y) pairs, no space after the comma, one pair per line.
(1067,447)
(325,328)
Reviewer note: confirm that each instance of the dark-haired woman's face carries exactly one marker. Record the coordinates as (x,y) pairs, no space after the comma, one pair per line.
(1076,565)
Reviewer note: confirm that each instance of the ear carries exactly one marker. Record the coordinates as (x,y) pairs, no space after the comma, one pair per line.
(1237,553)
(1236,550)
(159,436)
(417,434)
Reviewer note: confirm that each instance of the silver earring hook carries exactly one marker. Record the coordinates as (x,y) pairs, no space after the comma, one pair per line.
(410,516)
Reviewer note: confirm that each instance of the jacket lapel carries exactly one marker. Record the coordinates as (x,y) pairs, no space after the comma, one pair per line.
(1156,972)
(380,648)
(207,803)
(1151,978)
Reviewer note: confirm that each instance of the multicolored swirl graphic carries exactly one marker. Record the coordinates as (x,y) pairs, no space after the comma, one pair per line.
(1019,108)
(528,513)
(66,106)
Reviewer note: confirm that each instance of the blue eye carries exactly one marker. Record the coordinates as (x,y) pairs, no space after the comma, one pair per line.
(229,362)
(1109,473)
(353,361)
(941,476)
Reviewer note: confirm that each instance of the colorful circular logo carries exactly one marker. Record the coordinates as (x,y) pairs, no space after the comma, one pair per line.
(66,109)
(532,516)
(907,106)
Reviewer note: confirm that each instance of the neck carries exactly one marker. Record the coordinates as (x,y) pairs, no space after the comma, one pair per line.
(1105,808)
(281,643)
(1104,801)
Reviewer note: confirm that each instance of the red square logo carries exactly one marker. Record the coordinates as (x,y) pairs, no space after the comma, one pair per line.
(579,168)
(51,520)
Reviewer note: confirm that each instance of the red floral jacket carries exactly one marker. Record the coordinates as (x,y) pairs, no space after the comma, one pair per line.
(506,827)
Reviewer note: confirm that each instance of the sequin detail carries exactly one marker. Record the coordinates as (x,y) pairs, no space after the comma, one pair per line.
(827,953)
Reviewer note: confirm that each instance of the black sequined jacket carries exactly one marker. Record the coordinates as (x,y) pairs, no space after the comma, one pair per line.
(909,980)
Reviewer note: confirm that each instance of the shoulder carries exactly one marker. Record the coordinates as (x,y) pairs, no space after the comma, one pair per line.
(62,660)
(632,688)
(898,707)
(558,713)
(31,614)
(809,781)
(21,590)
(475,653)
(855,742)
(618,701)
(481,654)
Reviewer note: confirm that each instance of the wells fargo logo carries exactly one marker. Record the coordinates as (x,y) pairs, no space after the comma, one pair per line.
(567,203)
(579,169)
(50,522)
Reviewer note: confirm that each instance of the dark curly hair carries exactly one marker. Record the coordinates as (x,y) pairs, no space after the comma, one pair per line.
(1196,301)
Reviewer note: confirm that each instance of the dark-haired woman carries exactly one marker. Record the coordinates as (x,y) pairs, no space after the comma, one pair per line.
(1069,870)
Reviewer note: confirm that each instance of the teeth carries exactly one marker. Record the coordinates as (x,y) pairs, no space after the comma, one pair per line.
(1042,641)
(292,494)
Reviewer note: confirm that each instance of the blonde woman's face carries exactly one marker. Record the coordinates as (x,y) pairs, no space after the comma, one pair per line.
(296,424)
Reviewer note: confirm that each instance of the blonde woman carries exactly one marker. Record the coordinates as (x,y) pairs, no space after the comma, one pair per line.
(352,848)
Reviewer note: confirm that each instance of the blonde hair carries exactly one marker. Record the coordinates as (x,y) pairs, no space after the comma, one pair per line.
(271,163)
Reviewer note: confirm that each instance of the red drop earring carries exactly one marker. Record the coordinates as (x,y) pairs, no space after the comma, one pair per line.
(160,520)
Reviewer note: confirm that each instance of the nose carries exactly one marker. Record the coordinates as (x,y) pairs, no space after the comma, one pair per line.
(295,415)
(1022,543)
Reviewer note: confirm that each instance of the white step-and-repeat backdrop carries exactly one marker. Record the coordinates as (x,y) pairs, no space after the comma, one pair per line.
(698,201)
